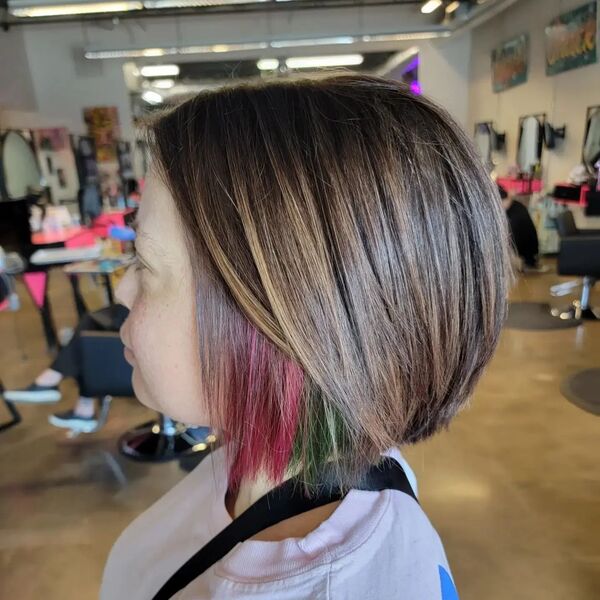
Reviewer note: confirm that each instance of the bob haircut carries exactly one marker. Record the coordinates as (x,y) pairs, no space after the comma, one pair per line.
(350,259)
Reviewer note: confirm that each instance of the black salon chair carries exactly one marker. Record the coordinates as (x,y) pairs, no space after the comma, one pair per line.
(105,374)
(566,226)
(579,254)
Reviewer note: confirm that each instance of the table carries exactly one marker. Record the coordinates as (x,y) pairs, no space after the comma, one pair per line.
(521,187)
(104,267)
(46,238)
(69,245)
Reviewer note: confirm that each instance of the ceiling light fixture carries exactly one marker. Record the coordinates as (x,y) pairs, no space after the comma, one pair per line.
(194,3)
(57,10)
(160,71)
(345,39)
(404,37)
(153,52)
(316,62)
(152,97)
(163,84)
(452,6)
(222,48)
(430,6)
(267,64)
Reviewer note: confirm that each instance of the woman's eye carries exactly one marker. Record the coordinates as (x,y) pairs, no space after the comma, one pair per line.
(138,264)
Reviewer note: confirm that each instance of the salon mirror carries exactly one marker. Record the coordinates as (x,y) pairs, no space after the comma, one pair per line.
(488,140)
(21,174)
(483,142)
(531,137)
(591,140)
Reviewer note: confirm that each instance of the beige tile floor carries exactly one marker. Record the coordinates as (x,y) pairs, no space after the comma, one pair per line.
(513,487)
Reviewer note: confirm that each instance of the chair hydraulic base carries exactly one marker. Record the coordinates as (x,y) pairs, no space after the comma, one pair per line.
(159,441)
(580,309)
(576,312)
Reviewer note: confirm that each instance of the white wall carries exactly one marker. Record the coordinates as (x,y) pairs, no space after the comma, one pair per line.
(16,89)
(65,83)
(563,97)
(444,73)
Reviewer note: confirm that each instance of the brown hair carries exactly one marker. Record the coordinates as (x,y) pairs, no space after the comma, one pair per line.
(351,264)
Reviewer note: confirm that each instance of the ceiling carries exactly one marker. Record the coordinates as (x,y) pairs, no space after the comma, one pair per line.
(19,12)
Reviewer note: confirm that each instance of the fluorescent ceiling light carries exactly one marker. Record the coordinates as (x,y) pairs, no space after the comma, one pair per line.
(267,64)
(194,3)
(153,52)
(163,84)
(223,48)
(152,97)
(403,37)
(430,6)
(346,39)
(56,10)
(315,62)
(452,6)
(159,71)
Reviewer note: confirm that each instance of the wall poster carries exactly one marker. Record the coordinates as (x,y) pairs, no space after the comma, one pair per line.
(571,39)
(510,63)
(103,125)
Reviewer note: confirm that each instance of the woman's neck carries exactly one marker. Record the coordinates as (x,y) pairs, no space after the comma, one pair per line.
(295,527)
(248,493)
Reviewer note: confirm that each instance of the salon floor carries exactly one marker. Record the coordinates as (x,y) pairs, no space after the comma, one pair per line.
(513,487)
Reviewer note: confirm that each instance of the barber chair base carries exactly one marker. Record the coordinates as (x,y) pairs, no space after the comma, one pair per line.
(575,313)
(583,390)
(151,442)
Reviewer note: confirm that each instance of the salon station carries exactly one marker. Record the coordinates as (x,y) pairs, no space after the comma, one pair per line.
(513,485)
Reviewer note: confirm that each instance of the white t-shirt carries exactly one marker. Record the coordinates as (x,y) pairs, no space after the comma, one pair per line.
(375,545)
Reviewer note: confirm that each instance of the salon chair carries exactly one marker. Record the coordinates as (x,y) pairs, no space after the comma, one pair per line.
(105,374)
(579,254)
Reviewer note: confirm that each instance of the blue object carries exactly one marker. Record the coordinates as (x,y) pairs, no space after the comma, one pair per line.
(106,265)
(448,590)
(124,234)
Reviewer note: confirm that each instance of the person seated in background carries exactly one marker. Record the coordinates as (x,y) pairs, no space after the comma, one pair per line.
(522,233)
(133,193)
(45,388)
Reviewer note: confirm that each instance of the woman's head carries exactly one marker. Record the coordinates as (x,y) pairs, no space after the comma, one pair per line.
(331,273)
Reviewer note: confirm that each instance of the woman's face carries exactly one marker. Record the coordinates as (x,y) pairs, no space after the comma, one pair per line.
(160,333)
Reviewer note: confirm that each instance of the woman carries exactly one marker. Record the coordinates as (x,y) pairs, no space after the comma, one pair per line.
(322,276)
(523,234)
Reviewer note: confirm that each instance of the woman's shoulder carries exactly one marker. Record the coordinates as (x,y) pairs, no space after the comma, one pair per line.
(169,531)
(198,492)
(368,532)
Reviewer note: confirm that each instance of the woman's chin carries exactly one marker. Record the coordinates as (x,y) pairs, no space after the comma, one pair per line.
(141,394)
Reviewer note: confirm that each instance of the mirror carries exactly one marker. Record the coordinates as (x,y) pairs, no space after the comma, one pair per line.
(483,142)
(20,170)
(591,139)
(488,140)
(531,137)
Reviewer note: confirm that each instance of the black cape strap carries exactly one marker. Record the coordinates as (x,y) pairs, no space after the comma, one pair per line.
(286,501)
